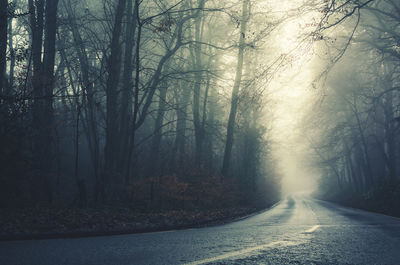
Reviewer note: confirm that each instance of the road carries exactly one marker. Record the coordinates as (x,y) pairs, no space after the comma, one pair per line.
(298,230)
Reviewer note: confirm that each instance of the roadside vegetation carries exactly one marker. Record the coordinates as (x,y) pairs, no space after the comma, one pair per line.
(354,127)
(154,107)
(131,115)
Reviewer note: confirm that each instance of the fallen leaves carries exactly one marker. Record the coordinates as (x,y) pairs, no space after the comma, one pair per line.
(44,222)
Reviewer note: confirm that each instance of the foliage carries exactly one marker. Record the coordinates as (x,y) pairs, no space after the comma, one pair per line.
(384,198)
(193,190)
(358,148)
(126,104)
(44,222)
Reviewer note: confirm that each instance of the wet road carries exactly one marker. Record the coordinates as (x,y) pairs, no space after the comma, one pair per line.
(298,230)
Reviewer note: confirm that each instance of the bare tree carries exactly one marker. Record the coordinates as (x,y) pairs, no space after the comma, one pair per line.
(236,86)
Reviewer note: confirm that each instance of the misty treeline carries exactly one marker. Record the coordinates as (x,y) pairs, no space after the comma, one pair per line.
(354,127)
(152,104)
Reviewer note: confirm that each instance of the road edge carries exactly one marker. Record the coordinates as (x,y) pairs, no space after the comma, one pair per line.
(83,234)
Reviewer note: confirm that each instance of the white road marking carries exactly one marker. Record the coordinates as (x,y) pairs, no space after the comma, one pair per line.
(241,252)
(252,249)
(312,229)
(162,232)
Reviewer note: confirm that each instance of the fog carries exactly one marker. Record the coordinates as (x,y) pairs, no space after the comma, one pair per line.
(164,105)
(292,94)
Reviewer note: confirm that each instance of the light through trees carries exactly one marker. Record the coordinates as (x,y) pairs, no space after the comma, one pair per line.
(196,103)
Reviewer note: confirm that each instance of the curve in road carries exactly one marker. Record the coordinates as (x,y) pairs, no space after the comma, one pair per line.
(298,230)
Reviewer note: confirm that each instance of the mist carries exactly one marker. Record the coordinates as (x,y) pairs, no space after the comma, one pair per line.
(210,109)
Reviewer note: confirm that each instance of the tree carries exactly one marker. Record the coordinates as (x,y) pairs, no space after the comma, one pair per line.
(3,43)
(43,22)
(112,177)
(236,87)
(109,89)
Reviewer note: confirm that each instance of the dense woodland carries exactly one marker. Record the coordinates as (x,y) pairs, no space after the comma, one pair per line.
(358,148)
(148,104)
(162,104)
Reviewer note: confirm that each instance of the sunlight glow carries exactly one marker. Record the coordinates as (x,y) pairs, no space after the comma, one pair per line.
(292,95)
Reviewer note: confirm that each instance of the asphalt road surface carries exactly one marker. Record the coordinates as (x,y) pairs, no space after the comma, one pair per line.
(298,230)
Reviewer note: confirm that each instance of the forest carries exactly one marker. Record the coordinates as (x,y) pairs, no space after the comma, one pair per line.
(153,106)
(358,147)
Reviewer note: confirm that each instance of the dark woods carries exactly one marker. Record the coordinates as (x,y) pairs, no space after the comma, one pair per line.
(358,146)
(127,102)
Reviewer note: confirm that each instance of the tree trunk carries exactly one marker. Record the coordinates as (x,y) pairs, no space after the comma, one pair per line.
(89,120)
(390,135)
(12,53)
(178,156)
(80,182)
(235,91)
(209,141)
(3,43)
(198,76)
(113,181)
(367,161)
(43,19)
(127,86)
(156,141)
(133,127)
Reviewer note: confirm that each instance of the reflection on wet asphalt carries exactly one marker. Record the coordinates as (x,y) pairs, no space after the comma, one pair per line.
(298,230)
